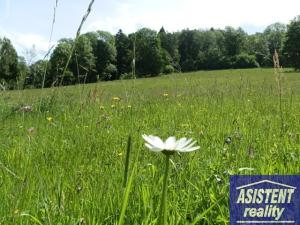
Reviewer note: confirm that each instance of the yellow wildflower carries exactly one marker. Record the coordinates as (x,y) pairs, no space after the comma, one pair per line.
(112,106)
(165,94)
(116,98)
(50,119)
(101,107)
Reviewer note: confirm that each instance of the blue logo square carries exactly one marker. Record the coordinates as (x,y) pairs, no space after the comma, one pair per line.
(265,199)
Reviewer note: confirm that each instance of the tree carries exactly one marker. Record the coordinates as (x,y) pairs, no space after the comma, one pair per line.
(292,43)
(274,34)
(170,54)
(234,41)
(148,52)
(257,45)
(189,44)
(83,62)
(106,56)
(8,63)
(244,60)
(37,73)
(58,60)
(212,53)
(124,53)
(22,72)
(103,44)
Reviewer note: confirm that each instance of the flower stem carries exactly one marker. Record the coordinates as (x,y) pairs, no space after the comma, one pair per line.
(163,205)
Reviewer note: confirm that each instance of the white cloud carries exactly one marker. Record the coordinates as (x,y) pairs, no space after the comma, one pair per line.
(23,42)
(176,15)
(113,25)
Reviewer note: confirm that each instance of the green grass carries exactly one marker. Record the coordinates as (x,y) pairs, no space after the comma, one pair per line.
(71,170)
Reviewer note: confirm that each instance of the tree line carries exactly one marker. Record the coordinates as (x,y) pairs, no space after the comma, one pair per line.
(101,56)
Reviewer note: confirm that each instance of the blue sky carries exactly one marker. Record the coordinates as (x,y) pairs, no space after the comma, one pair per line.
(28,22)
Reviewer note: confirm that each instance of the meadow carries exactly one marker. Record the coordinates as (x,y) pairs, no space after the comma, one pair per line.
(64,161)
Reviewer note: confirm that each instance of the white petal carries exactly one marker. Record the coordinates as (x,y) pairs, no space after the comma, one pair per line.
(155,144)
(190,149)
(158,143)
(147,138)
(189,146)
(154,141)
(170,143)
(182,143)
(152,148)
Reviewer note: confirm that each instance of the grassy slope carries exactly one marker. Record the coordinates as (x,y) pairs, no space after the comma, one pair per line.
(71,169)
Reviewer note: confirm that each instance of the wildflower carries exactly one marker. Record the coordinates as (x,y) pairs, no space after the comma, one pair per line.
(246,168)
(116,98)
(30,130)
(79,188)
(165,94)
(82,221)
(129,106)
(228,140)
(218,179)
(50,119)
(228,172)
(112,106)
(26,108)
(101,107)
(120,153)
(105,117)
(169,147)
(155,144)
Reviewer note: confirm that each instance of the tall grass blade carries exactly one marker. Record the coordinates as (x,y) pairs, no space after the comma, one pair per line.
(126,195)
(76,38)
(34,219)
(199,217)
(127,157)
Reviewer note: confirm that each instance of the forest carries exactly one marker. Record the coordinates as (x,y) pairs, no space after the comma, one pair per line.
(102,56)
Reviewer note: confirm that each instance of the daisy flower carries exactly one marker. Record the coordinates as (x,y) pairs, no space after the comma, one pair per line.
(155,144)
(168,147)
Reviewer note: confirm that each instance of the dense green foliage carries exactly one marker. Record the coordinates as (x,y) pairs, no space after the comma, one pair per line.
(63,162)
(100,55)
(8,64)
(292,43)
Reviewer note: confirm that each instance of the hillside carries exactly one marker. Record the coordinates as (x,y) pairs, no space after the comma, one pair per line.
(63,159)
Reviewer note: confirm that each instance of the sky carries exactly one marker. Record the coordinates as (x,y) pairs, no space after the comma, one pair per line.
(28,23)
